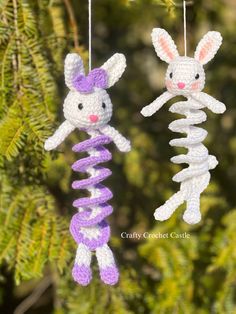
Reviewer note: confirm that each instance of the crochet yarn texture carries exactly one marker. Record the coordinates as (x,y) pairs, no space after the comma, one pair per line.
(88,107)
(185,76)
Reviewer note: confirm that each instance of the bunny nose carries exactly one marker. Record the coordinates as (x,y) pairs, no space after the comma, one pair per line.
(93,118)
(181,85)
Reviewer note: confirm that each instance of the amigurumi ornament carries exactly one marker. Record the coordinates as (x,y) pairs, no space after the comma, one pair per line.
(185,76)
(88,107)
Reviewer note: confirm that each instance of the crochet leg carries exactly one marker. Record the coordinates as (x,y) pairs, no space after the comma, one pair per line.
(192,214)
(81,271)
(165,211)
(108,271)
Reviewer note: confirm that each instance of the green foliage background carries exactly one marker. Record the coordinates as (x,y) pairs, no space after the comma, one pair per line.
(195,275)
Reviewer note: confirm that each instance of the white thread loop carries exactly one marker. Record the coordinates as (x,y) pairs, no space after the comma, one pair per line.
(90,32)
(185,29)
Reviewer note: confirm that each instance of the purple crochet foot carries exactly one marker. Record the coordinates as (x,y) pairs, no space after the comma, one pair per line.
(82,274)
(109,275)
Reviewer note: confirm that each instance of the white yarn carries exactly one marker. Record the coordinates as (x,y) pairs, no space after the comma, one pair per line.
(186,77)
(83,255)
(212,39)
(121,142)
(90,32)
(115,66)
(185,29)
(72,66)
(61,133)
(105,257)
(195,178)
(92,103)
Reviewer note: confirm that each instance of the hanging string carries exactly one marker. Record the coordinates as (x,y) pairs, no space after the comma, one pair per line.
(90,32)
(185,29)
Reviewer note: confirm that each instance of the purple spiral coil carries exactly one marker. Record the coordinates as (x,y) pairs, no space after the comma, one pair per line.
(95,208)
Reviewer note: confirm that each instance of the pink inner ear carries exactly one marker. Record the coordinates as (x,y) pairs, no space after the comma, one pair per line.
(205,50)
(164,45)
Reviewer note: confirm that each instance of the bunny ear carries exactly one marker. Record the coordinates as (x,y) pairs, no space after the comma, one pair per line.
(207,47)
(73,66)
(164,45)
(114,68)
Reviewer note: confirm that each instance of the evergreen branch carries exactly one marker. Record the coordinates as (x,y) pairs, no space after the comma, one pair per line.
(6,246)
(3,7)
(4,65)
(28,19)
(42,68)
(23,240)
(11,208)
(11,140)
(14,143)
(60,244)
(41,239)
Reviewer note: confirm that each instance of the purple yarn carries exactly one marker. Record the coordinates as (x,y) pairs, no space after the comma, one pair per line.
(96,78)
(92,142)
(110,275)
(94,243)
(82,274)
(83,184)
(105,195)
(85,218)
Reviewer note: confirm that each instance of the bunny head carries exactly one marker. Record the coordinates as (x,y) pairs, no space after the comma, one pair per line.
(87,104)
(185,75)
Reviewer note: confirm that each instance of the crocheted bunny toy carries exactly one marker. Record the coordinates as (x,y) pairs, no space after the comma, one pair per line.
(88,107)
(185,76)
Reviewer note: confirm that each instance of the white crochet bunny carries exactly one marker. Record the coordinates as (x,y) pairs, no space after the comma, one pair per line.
(185,76)
(88,107)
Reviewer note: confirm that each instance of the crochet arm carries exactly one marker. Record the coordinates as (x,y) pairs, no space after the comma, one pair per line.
(58,137)
(210,102)
(156,104)
(120,141)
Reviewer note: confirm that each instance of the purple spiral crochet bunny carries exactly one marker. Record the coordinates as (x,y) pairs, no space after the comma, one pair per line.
(88,107)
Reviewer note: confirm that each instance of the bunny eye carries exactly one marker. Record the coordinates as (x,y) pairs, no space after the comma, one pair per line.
(197,76)
(80,106)
(103,105)
(171,75)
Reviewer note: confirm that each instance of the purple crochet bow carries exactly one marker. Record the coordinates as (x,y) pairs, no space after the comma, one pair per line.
(96,78)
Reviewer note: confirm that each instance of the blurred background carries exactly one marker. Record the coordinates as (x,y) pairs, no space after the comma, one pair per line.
(193,275)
